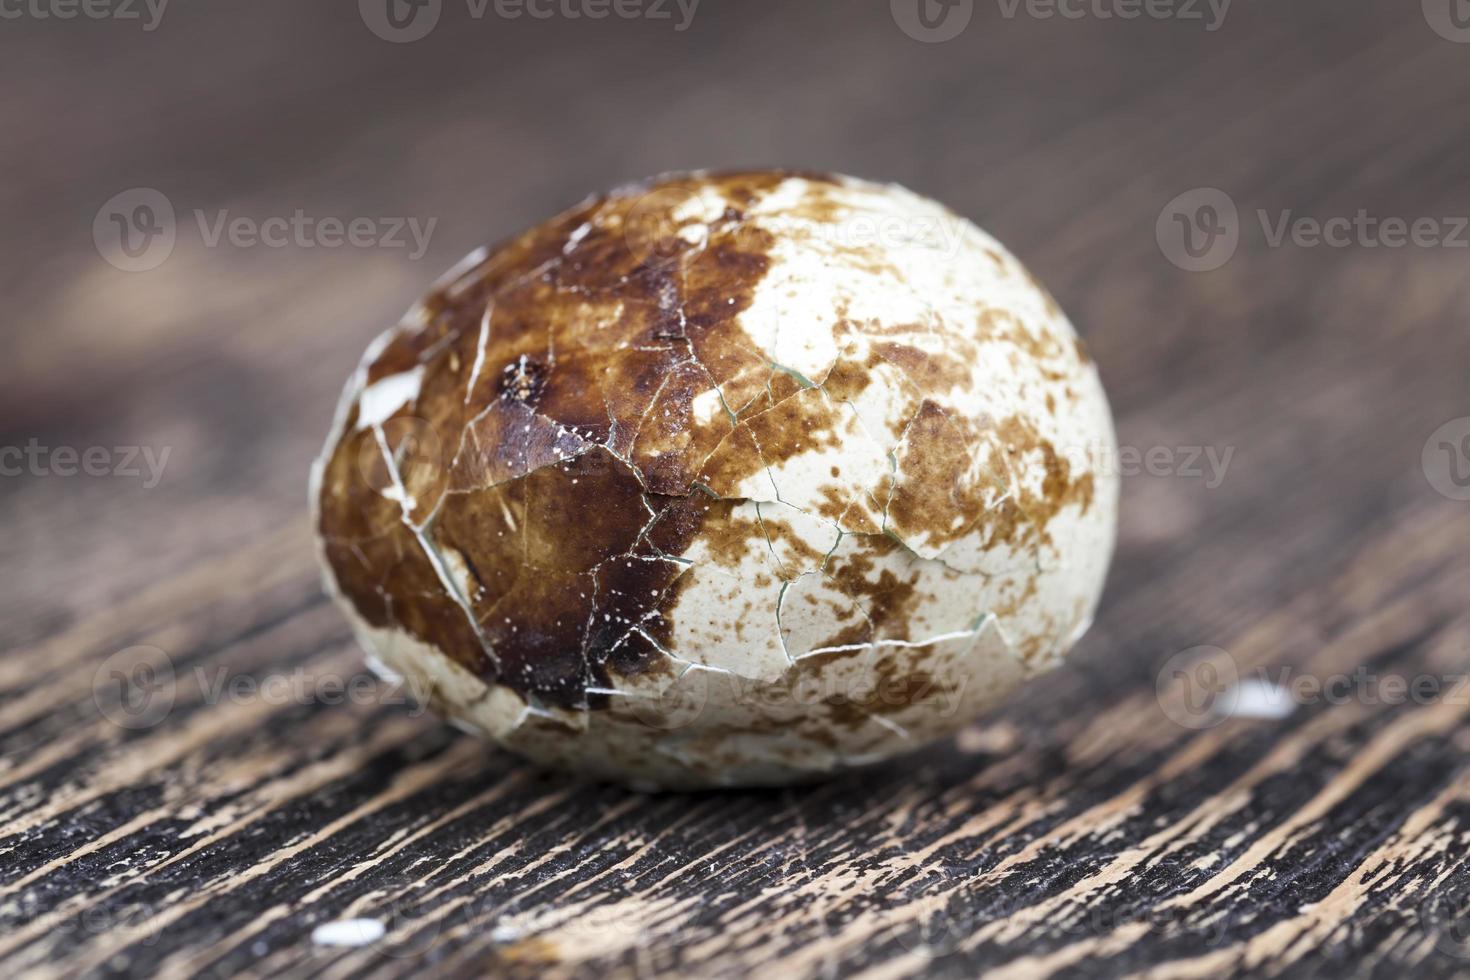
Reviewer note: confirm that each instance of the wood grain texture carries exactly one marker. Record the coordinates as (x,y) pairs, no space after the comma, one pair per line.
(1082,831)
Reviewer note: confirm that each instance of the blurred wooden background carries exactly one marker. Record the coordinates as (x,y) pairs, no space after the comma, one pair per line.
(1088,830)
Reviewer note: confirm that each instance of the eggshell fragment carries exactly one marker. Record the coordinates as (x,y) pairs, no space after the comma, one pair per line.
(723,480)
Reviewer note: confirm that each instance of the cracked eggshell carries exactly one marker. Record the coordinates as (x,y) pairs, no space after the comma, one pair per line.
(721,480)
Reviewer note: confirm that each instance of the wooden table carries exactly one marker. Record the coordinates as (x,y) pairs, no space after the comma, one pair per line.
(1101,825)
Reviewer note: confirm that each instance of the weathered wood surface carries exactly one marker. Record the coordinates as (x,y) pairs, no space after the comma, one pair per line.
(1080,832)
